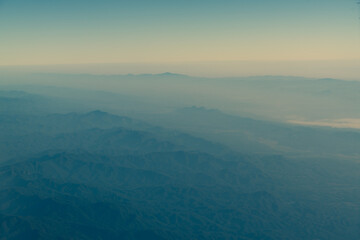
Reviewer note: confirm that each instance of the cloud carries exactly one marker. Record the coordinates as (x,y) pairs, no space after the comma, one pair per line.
(335,123)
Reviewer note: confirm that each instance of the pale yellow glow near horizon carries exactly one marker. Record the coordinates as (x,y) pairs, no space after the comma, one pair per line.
(171,52)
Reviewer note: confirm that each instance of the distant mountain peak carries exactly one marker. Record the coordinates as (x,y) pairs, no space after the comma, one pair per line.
(170,74)
(97,113)
(165,74)
(199,109)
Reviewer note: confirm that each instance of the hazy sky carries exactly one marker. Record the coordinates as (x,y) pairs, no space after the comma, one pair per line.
(40,32)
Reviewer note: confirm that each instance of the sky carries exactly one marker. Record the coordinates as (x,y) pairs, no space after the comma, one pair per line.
(47,32)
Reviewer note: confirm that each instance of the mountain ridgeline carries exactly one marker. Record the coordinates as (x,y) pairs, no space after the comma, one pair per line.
(203,174)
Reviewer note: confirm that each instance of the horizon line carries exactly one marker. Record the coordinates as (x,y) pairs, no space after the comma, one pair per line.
(181,62)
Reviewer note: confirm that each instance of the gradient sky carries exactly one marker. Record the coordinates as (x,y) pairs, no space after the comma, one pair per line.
(40,32)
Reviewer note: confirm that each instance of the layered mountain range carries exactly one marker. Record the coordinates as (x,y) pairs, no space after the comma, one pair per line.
(95,175)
